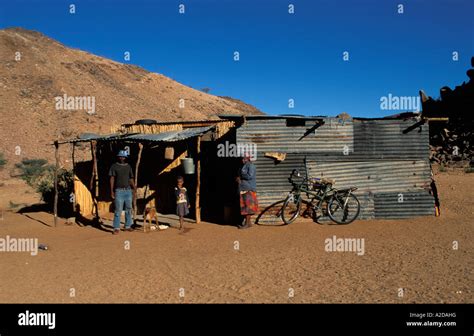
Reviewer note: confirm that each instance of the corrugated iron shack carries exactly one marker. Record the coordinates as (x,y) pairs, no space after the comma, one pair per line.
(386,158)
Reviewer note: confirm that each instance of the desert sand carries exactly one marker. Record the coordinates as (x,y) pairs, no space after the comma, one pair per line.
(286,264)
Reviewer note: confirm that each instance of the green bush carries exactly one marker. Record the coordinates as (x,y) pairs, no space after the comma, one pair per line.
(39,175)
(45,186)
(3,161)
(32,169)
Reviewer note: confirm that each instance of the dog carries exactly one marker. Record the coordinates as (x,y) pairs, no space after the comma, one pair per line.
(149,214)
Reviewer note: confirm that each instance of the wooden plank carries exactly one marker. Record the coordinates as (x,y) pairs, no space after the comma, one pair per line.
(437,119)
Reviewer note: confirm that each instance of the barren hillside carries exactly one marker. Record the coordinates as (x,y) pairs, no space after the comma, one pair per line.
(36,69)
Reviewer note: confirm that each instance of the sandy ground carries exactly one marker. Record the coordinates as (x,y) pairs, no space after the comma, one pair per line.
(271,264)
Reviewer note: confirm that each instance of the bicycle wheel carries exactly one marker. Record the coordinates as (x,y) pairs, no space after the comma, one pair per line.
(343,208)
(271,215)
(291,208)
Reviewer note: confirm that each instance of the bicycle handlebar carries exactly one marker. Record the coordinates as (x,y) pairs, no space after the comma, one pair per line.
(295,172)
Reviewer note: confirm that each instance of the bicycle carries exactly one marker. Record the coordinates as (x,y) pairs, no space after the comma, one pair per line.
(342,205)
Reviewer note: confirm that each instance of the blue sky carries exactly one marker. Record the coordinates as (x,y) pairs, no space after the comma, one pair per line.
(282,56)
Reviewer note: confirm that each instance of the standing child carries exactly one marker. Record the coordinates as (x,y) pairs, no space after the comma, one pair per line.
(182,201)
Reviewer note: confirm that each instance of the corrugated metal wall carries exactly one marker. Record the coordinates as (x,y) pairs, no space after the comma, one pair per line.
(272,179)
(403,204)
(384,139)
(374,176)
(275,135)
(374,155)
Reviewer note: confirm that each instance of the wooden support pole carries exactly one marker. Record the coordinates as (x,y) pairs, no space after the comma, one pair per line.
(91,183)
(74,201)
(95,177)
(55,206)
(96,172)
(198,181)
(140,146)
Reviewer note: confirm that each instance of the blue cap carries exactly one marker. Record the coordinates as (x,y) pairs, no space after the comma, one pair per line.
(123,153)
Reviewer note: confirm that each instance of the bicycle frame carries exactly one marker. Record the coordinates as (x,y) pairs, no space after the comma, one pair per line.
(319,195)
